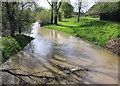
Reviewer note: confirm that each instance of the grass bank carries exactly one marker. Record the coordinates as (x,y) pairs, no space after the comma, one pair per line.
(94,30)
(12,45)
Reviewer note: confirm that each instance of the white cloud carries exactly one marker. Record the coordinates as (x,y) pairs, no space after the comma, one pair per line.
(43,3)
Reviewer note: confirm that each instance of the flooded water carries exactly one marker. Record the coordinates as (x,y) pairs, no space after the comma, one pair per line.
(56,58)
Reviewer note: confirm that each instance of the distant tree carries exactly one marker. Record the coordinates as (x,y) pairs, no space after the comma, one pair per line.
(79,9)
(105,7)
(0,9)
(60,15)
(57,5)
(17,16)
(51,4)
(44,16)
(67,9)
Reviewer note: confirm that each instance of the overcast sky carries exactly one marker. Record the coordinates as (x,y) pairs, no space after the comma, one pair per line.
(86,3)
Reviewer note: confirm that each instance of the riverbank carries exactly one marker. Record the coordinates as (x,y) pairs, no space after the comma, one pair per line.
(90,29)
(12,45)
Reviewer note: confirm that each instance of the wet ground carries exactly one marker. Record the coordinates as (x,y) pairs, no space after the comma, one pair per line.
(56,58)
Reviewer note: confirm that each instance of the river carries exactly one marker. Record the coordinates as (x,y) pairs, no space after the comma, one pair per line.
(57,58)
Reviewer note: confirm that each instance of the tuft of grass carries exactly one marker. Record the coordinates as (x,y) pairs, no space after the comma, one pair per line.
(91,29)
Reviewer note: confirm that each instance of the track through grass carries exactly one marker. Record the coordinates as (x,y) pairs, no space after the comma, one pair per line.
(91,29)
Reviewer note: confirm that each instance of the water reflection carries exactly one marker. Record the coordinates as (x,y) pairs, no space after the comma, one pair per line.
(69,59)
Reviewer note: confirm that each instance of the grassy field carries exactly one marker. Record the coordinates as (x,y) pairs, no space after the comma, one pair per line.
(90,29)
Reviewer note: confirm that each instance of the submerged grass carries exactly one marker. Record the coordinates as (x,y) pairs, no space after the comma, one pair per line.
(91,29)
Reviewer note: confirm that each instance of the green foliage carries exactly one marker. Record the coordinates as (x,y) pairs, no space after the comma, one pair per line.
(67,10)
(15,18)
(11,46)
(5,22)
(108,7)
(105,7)
(26,19)
(91,29)
(43,16)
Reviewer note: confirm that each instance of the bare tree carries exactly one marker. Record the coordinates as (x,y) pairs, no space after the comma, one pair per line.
(55,6)
(79,9)
(51,4)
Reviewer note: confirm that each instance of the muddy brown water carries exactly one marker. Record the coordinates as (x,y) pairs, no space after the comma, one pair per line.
(56,58)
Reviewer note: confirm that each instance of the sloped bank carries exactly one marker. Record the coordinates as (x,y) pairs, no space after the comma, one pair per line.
(91,29)
(12,45)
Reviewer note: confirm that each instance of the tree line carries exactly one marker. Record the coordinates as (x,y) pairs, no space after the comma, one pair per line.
(17,16)
(66,10)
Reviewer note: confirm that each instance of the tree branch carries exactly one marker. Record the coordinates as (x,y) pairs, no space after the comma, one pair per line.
(24,75)
(49,3)
(59,5)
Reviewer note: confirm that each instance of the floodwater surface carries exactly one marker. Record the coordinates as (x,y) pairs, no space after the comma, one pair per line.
(56,58)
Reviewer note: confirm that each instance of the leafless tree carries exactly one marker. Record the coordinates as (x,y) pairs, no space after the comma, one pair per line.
(79,9)
(55,6)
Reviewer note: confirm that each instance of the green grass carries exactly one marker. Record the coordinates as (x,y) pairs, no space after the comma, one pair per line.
(12,45)
(94,30)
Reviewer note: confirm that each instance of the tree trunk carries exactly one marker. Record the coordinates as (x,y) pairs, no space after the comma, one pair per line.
(52,15)
(55,20)
(12,32)
(55,13)
(12,25)
(79,8)
(79,15)
(11,18)
(20,31)
(19,28)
